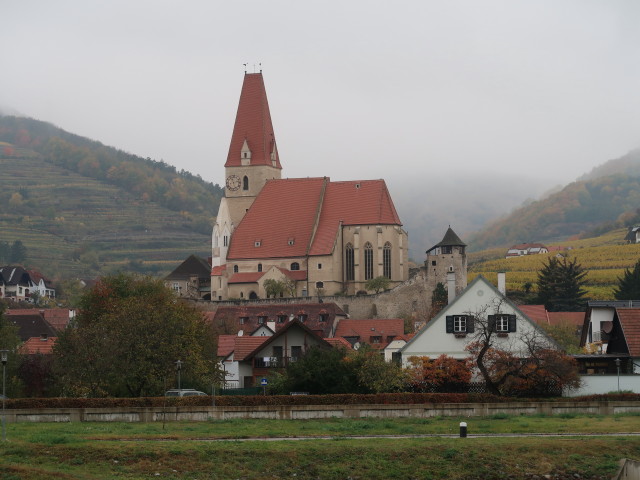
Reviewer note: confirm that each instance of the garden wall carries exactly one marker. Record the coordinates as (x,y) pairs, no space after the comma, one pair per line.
(303,412)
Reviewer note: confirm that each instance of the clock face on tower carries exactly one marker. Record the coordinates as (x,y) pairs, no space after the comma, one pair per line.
(233,182)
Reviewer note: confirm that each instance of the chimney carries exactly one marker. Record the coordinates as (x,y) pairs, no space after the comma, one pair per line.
(502,283)
(451,285)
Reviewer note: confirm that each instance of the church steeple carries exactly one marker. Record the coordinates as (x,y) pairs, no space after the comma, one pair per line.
(253,156)
(253,135)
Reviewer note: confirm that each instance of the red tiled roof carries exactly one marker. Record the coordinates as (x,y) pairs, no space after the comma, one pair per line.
(226,344)
(58,318)
(253,124)
(572,318)
(219,270)
(338,342)
(537,313)
(246,345)
(366,328)
(36,345)
(311,219)
(279,221)
(250,313)
(361,202)
(246,277)
(294,274)
(630,322)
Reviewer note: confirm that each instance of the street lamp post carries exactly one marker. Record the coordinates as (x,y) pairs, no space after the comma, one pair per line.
(178,369)
(3,357)
(618,367)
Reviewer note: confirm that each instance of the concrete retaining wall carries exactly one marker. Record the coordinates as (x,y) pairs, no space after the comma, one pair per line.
(287,412)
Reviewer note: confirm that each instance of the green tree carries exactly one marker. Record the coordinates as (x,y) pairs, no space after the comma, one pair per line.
(560,285)
(377,284)
(629,284)
(18,252)
(128,334)
(439,299)
(9,340)
(274,288)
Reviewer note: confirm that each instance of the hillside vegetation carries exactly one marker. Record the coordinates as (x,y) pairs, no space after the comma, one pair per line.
(605,198)
(605,257)
(83,209)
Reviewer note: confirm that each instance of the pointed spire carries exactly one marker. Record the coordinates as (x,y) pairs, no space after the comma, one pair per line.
(253,130)
(450,240)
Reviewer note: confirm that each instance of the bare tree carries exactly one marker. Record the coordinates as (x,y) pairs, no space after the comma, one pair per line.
(516,360)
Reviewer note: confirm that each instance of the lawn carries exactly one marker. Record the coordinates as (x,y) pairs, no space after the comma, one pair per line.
(190,450)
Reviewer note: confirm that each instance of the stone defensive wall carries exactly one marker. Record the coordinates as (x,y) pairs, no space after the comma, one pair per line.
(411,297)
(304,412)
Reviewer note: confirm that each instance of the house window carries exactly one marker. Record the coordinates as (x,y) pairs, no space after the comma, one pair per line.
(324,317)
(262,320)
(433,263)
(386,260)
(296,353)
(502,323)
(277,352)
(245,183)
(319,266)
(176,286)
(368,261)
(259,267)
(447,250)
(376,339)
(282,318)
(459,324)
(242,320)
(295,266)
(302,317)
(319,284)
(349,262)
(235,269)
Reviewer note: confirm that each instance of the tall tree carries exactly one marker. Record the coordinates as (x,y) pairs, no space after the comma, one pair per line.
(560,285)
(9,340)
(629,284)
(18,252)
(127,337)
(439,299)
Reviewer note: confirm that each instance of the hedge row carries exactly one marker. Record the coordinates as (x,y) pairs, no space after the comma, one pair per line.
(259,400)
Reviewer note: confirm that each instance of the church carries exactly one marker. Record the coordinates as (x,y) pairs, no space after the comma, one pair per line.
(312,235)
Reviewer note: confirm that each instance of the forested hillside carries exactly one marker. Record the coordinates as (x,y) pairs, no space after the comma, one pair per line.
(608,197)
(82,208)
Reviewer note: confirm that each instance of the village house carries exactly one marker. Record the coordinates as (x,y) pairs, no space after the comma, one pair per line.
(18,284)
(191,279)
(526,249)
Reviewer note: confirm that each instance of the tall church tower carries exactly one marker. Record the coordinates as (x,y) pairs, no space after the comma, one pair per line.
(252,160)
(253,155)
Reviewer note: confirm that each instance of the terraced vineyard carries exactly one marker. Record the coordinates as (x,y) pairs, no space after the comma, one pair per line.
(605,258)
(76,226)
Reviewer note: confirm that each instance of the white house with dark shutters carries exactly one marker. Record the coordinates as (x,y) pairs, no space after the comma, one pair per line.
(449,332)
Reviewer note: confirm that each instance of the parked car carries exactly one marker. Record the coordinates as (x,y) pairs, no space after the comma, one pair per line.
(185,392)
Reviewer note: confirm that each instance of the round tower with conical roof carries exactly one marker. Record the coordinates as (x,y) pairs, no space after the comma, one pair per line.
(447,257)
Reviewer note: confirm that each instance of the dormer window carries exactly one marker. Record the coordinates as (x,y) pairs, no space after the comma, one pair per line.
(291,242)
(262,320)
(257,243)
(282,318)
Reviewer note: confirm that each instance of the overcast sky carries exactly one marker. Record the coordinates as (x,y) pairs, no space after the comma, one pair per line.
(357,89)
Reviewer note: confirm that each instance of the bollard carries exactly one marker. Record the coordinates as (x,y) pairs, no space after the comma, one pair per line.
(463,429)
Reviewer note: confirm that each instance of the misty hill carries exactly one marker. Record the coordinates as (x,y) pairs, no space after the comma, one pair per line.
(606,198)
(82,208)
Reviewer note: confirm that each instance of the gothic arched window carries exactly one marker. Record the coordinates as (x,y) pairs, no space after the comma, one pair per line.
(368,261)
(386,260)
(349,263)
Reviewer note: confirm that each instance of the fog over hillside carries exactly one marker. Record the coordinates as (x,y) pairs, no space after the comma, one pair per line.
(466,202)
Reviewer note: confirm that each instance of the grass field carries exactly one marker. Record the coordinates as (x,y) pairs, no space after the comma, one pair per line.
(188,450)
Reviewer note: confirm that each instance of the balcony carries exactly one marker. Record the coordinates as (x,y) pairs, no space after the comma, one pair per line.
(273,362)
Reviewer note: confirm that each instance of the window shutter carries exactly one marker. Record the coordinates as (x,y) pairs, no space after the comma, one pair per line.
(449,323)
(470,324)
(512,323)
(492,323)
